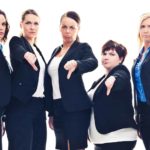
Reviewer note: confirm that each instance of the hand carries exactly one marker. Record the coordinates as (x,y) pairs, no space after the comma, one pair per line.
(71,67)
(31,59)
(109,84)
(50,122)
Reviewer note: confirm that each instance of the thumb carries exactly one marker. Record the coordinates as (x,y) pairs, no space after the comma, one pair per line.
(108,91)
(34,67)
(69,73)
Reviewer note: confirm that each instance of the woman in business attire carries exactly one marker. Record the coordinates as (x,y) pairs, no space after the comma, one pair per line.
(5,78)
(71,104)
(112,125)
(25,121)
(141,80)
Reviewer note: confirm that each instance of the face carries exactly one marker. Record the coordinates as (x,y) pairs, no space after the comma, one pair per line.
(110,59)
(69,29)
(30,26)
(2,27)
(145,31)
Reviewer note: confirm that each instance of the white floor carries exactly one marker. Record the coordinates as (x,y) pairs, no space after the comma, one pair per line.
(51,142)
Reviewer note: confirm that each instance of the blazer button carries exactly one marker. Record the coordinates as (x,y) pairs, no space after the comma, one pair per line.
(20,83)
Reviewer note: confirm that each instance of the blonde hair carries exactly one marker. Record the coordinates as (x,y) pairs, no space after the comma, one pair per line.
(142,18)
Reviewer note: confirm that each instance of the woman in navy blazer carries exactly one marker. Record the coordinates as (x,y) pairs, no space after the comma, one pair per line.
(112,124)
(141,80)
(5,77)
(69,100)
(25,121)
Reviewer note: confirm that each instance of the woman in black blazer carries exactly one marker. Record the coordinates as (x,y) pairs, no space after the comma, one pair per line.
(5,78)
(141,80)
(112,124)
(25,121)
(69,101)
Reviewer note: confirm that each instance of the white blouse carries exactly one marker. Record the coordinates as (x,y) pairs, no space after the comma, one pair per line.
(40,87)
(53,72)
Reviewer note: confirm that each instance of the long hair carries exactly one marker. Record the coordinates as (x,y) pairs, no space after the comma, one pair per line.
(142,18)
(7,26)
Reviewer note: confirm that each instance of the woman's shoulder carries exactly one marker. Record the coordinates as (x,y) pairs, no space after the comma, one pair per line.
(121,67)
(84,44)
(16,39)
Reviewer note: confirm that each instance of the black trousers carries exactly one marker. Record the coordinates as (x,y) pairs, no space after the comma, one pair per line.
(145,132)
(2,110)
(144,123)
(116,146)
(26,125)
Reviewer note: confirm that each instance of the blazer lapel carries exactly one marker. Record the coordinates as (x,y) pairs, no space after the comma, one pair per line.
(73,48)
(40,53)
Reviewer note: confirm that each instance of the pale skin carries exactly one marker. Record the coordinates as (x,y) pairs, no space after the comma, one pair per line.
(110,59)
(30,26)
(2,27)
(145,32)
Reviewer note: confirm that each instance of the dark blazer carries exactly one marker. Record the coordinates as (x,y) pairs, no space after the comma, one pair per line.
(74,96)
(145,75)
(115,111)
(24,77)
(5,81)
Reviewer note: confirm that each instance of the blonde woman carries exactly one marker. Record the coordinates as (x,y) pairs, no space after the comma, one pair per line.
(141,79)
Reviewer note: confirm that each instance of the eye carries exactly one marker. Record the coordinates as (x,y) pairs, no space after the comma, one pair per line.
(4,24)
(72,27)
(36,23)
(104,53)
(142,26)
(64,27)
(28,23)
(112,54)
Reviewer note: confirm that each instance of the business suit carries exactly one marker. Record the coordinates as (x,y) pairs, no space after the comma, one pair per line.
(115,111)
(5,87)
(143,108)
(112,123)
(74,99)
(25,121)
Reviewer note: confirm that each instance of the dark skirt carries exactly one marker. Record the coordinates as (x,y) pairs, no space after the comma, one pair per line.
(71,128)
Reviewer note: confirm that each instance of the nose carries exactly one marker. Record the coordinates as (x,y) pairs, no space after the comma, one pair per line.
(68,29)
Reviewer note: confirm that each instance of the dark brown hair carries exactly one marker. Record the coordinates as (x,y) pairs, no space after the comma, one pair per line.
(119,48)
(73,15)
(7,26)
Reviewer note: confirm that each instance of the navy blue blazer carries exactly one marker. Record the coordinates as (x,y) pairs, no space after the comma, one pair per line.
(115,111)
(5,81)
(24,77)
(145,76)
(74,95)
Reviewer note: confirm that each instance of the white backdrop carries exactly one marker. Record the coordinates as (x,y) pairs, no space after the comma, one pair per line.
(100,21)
